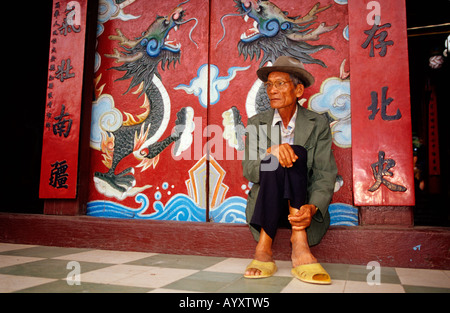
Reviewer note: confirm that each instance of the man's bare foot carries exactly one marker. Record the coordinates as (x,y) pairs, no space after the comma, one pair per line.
(263,253)
(301,254)
(259,256)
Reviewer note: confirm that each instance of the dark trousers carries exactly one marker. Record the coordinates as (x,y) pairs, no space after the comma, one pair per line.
(280,187)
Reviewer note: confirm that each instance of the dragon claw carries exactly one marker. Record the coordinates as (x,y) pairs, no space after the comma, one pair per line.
(121,182)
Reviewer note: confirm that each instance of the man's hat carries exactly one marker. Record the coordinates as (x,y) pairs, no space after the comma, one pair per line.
(287,65)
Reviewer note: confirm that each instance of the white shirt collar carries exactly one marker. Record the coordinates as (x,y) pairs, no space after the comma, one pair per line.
(277,118)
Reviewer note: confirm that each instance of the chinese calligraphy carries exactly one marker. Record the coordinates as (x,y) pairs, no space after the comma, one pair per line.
(372,35)
(67,26)
(381,169)
(63,125)
(60,147)
(381,115)
(384,103)
(58,175)
(63,71)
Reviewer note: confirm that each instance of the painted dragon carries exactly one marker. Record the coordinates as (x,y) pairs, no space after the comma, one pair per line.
(274,33)
(141,58)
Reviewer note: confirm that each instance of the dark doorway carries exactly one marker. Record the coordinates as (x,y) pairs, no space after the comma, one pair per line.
(25,52)
(428,28)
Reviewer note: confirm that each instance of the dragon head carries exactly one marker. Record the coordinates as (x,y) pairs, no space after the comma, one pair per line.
(156,38)
(268,21)
(275,33)
(141,56)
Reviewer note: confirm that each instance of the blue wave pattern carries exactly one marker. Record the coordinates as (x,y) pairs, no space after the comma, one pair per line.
(342,214)
(179,208)
(182,208)
(232,210)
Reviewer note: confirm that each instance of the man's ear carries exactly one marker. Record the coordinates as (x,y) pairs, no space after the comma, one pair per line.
(299,89)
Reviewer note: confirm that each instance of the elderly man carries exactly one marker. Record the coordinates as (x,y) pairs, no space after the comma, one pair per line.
(288,159)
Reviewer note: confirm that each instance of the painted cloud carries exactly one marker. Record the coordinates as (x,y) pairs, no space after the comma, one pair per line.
(334,99)
(198,85)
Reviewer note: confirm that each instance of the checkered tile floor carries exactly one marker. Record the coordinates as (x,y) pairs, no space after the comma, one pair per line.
(26,268)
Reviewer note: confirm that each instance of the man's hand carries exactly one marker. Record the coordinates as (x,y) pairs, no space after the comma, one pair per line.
(301,218)
(284,153)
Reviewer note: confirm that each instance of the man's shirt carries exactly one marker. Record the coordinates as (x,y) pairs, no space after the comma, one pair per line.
(287,134)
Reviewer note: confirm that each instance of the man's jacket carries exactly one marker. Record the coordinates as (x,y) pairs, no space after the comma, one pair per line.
(312,131)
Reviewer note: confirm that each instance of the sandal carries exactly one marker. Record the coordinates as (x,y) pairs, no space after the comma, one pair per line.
(267,269)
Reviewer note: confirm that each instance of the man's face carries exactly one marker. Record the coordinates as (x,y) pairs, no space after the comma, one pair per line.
(285,95)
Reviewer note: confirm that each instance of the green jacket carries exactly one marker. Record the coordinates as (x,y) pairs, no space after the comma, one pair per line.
(312,131)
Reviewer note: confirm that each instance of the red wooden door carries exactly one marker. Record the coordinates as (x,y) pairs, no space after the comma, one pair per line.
(175,84)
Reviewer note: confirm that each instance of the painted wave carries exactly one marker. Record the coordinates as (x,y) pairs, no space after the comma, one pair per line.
(342,214)
(232,210)
(179,208)
(182,208)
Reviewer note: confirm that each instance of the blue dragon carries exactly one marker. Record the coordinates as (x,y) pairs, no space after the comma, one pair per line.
(140,59)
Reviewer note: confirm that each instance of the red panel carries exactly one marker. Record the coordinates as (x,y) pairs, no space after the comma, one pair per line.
(381,120)
(145,51)
(59,168)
